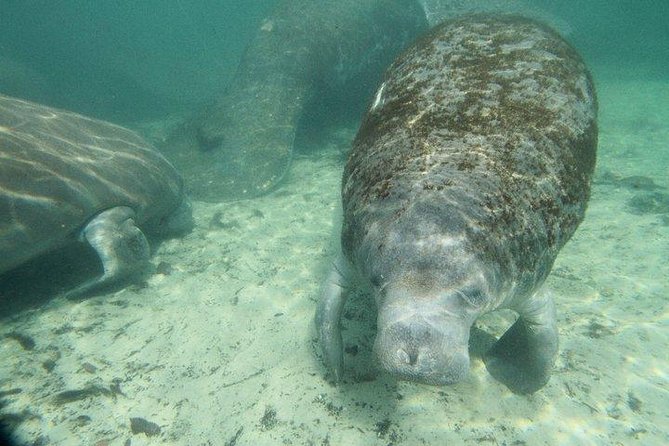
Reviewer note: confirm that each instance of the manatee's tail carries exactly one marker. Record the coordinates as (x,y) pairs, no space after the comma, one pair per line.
(242,146)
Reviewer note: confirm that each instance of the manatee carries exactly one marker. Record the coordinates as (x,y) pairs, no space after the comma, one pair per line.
(241,146)
(469,173)
(65,178)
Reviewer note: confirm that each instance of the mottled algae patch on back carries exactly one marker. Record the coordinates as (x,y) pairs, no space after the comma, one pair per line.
(58,169)
(494,119)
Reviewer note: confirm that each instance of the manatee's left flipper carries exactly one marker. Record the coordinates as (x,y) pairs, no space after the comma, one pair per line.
(121,246)
(328,315)
(523,357)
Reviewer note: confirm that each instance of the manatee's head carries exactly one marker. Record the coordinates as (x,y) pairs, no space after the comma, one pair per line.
(423,329)
(430,285)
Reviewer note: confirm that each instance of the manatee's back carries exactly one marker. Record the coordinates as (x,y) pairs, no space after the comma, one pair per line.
(490,124)
(58,169)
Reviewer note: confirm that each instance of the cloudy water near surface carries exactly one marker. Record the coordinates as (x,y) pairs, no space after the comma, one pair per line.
(215,343)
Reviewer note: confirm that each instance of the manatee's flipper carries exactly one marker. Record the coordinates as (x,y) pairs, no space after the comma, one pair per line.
(523,357)
(121,246)
(328,315)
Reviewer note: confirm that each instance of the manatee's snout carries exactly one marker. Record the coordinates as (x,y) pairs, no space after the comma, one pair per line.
(416,350)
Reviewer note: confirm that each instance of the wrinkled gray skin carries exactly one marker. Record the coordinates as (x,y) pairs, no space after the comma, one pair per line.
(470,171)
(65,177)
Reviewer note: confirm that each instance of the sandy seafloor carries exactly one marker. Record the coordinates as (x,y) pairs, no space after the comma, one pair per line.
(218,346)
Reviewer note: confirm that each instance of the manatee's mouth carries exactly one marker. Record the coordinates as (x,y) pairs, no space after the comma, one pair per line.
(418,352)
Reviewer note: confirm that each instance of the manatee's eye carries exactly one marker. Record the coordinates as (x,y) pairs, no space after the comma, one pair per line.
(473,296)
(376,280)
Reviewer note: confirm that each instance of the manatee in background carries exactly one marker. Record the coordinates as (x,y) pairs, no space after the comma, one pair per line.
(470,171)
(242,145)
(65,177)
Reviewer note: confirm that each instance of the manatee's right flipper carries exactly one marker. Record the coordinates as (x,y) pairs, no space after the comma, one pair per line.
(121,246)
(328,315)
(523,357)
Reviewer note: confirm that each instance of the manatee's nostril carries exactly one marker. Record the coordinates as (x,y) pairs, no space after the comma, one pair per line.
(407,357)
